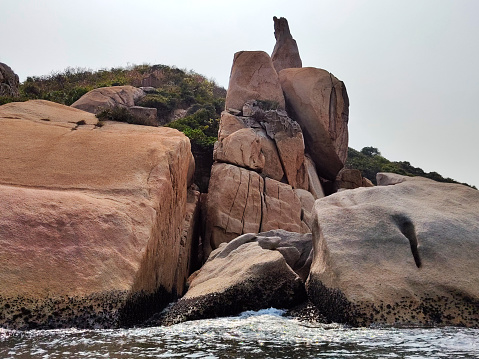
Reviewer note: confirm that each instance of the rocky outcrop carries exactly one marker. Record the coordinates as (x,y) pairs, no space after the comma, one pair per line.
(9,81)
(253,77)
(145,114)
(285,53)
(350,179)
(249,273)
(91,218)
(401,254)
(268,142)
(318,101)
(108,97)
(260,161)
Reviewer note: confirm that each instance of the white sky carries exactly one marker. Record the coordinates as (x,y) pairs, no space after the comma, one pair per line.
(411,67)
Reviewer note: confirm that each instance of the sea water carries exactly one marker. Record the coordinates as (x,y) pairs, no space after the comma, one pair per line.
(262,334)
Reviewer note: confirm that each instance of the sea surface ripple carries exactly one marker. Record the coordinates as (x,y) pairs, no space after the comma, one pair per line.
(262,334)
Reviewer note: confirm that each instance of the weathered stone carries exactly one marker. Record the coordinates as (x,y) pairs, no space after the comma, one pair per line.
(366,182)
(188,242)
(403,254)
(314,182)
(243,142)
(234,204)
(145,114)
(241,148)
(348,179)
(229,124)
(253,77)
(307,203)
(282,208)
(9,81)
(289,142)
(272,163)
(285,53)
(318,101)
(251,272)
(108,97)
(153,79)
(290,241)
(89,215)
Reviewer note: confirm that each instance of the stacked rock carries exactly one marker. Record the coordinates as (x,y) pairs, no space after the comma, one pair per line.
(260,161)
(284,127)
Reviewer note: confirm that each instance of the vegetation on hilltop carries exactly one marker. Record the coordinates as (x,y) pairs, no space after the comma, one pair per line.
(369,161)
(177,87)
(174,89)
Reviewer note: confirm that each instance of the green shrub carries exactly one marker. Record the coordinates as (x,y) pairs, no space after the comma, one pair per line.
(164,104)
(267,105)
(200,128)
(121,114)
(7,99)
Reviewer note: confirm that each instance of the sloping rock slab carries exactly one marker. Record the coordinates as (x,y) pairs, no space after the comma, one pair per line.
(108,97)
(90,218)
(403,254)
(251,272)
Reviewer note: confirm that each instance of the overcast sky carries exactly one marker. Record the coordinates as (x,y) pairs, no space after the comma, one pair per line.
(411,67)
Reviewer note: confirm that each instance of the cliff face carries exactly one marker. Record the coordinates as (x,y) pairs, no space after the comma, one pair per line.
(91,217)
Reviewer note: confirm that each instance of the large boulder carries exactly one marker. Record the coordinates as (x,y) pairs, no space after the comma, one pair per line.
(348,179)
(253,77)
(108,97)
(251,272)
(318,101)
(402,254)
(91,218)
(285,53)
(9,81)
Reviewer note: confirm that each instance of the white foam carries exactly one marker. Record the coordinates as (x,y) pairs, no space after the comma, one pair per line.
(270,311)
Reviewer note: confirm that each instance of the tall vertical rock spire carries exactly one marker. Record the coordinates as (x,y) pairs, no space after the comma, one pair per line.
(285,53)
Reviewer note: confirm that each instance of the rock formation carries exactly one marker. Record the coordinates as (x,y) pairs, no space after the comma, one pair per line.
(318,101)
(9,81)
(94,218)
(108,97)
(260,155)
(350,179)
(249,273)
(253,77)
(402,253)
(285,53)
(260,160)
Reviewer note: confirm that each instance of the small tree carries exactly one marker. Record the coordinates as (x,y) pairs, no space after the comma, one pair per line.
(370,151)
